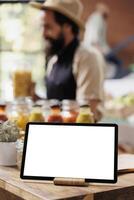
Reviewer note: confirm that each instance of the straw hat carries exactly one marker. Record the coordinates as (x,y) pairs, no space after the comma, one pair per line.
(70,8)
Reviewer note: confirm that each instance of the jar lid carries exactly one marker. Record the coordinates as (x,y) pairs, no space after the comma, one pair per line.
(42,103)
(54,103)
(84,103)
(2,103)
(69,104)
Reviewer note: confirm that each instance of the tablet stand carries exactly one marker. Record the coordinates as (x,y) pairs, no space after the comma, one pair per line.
(70,182)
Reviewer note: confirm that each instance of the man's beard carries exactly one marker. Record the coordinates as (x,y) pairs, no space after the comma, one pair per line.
(54,46)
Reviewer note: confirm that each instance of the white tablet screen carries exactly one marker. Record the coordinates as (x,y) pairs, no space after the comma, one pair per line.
(70,151)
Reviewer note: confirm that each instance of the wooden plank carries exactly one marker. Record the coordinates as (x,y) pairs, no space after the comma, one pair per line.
(4,195)
(120,194)
(11,182)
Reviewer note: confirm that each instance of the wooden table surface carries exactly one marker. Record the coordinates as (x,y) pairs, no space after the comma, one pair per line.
(13,188)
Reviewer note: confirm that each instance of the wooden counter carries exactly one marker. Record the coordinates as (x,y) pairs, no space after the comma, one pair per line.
(13,188)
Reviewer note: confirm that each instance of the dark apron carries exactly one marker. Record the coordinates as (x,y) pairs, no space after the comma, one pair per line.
(61,84)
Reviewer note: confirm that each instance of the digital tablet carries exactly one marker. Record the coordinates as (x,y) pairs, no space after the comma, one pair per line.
(83,151)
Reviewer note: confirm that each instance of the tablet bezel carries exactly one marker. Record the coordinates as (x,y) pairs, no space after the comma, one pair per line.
(38,178)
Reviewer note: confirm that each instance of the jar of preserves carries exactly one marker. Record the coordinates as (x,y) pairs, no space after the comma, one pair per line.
(85,114)
(36,115)
(46,109)
(3,116)
(2,106)
(70,111)
(55,112)
(22,82)
(19,111)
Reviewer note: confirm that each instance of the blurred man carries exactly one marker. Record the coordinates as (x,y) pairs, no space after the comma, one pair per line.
(72,72)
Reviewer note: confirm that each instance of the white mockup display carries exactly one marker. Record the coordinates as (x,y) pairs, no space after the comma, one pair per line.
(70,151)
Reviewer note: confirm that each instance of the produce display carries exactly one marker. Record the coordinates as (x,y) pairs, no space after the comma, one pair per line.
(23,110)
(120,107)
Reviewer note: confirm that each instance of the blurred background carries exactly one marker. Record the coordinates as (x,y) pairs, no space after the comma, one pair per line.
(120,24)
(20,43)
(21,40)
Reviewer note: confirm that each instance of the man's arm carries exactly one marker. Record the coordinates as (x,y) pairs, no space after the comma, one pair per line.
(89,79)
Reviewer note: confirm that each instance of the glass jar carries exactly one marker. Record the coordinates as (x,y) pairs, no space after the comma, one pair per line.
(22,82)
(36,115)
(85,114)
(19,111)
(3,116)
(55,112)
(2,106)
(46,109)
(69,111)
